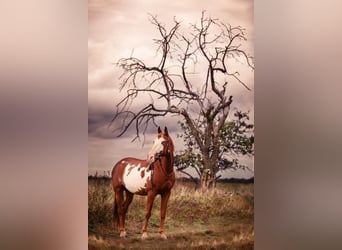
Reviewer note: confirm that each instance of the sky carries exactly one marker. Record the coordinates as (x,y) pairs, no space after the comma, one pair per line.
(118,28)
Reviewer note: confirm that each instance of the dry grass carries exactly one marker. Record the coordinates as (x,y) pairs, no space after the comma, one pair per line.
(221,219)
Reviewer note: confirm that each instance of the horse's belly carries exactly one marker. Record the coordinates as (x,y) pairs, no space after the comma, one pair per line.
(135,178)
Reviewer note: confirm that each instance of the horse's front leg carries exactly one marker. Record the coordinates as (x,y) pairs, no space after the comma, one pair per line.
(164,199)
(150,199)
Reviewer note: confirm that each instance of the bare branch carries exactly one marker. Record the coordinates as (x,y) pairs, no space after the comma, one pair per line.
(172,87)
(187,174)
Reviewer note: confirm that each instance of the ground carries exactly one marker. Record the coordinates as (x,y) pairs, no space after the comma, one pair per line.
(221,219)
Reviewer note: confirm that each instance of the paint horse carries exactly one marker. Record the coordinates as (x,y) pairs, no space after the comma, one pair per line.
(145,177)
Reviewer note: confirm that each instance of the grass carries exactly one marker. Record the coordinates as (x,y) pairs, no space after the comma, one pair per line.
(220,219)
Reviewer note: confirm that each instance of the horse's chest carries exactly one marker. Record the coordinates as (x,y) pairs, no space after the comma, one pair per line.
(135,178)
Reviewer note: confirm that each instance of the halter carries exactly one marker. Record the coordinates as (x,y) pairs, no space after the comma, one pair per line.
(151,166)
(158,158)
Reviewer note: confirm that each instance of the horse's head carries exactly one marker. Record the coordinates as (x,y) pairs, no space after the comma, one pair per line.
(162,145)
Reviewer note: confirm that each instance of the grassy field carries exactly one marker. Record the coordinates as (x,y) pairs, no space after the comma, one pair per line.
(222,219)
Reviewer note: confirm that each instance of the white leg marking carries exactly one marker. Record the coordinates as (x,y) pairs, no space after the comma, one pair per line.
(163,236)
(144,236)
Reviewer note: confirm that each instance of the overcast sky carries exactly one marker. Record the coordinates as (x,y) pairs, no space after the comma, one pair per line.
(116,29)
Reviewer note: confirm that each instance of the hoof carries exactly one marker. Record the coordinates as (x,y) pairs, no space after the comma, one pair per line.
(123,234)
(163,236)
(144,236)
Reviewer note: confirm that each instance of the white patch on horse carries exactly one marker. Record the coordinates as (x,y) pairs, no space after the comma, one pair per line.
(133,179)
(156,148)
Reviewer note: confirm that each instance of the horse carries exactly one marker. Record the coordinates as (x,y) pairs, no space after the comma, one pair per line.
(145,177)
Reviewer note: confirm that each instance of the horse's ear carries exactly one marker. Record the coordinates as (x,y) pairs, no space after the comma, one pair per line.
(159,130)
(165,131)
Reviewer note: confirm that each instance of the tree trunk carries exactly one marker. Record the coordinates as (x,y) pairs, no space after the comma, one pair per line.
(208,180)
(204,181)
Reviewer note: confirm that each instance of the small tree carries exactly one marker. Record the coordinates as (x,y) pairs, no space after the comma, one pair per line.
(175,87)
(236,139)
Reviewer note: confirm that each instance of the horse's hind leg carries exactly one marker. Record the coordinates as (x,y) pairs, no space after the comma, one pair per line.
(119,201)
(164,199)
(128,200)
(150,200)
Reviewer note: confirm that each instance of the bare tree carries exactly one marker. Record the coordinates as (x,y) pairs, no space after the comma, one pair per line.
(176,88)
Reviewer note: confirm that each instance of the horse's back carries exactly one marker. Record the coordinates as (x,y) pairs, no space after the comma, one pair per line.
(125,161)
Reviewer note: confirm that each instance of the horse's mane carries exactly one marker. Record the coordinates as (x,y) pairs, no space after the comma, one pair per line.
(172,146)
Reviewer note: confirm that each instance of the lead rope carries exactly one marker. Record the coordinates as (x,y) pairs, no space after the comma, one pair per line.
(151,168)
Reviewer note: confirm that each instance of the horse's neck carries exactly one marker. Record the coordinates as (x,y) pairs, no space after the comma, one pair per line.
(167,163)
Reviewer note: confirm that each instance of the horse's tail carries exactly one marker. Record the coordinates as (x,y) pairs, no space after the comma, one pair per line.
(116,216)
(115,206)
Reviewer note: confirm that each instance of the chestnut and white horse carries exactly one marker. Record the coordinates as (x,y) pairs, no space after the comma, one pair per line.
(145,177)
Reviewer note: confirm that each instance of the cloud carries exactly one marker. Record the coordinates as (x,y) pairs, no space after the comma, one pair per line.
(118,28)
